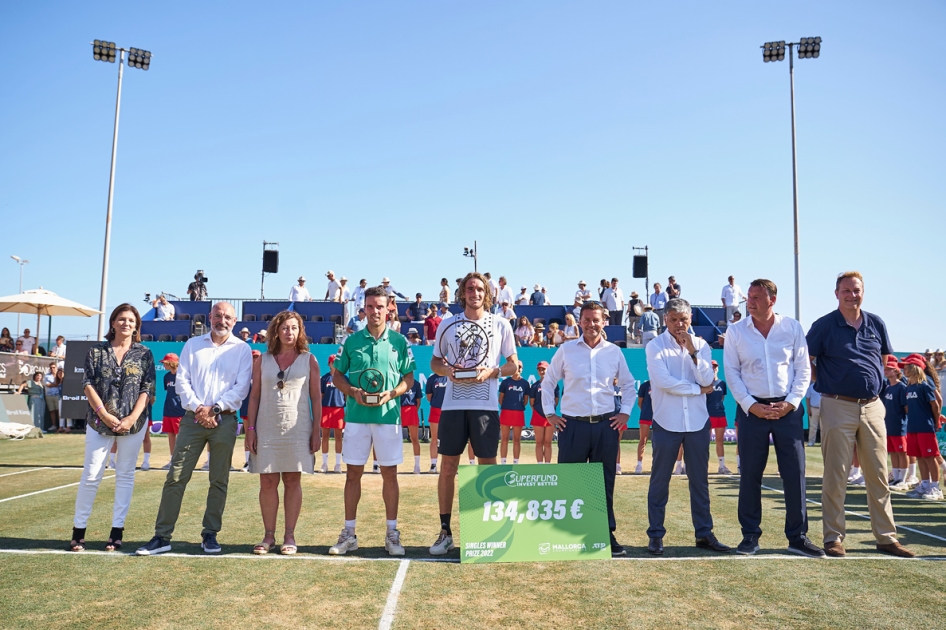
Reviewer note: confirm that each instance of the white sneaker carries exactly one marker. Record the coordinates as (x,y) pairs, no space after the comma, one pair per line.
(338,468)
(723,470)
(206,465)
(324,468)
(417,469)
(392,542)
(918,491)
(433,469)
(617,471)
(110,464)
(146,466)
(347,541)
(933,494)
(857,481)
(899,486)
(911,481)
(443,545)
(640,469)
(376,469)
(167,466)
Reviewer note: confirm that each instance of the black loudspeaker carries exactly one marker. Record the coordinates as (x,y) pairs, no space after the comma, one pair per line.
(640,266)
(271,261)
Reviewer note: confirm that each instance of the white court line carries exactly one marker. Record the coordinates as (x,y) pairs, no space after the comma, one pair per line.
(343,559)
(24,471)
(29,494)
(866,517)
(390,607)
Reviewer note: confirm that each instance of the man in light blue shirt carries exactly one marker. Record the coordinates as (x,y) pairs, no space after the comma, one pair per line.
(359,322)
(658,299)
(649,325)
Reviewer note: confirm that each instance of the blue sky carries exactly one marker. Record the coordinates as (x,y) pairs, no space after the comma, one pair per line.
(380,138)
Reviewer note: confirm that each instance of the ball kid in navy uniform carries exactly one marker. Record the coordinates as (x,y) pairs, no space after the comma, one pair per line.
(512,415)
(435,388)
(410,405)
(895,404)
(923,409)
(717,413)
(333,417)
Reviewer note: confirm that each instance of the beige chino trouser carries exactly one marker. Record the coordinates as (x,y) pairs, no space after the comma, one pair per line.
(844,424)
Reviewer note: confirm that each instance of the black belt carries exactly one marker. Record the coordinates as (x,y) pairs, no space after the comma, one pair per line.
(769,401)
(859,401)
(590,419)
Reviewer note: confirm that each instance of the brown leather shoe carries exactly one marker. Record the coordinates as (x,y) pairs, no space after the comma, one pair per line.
(896,549)
(835,549)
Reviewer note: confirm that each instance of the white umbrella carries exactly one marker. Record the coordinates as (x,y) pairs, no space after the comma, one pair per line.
(43,302)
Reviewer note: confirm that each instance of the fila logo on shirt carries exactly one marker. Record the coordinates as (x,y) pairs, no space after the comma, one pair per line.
(912,395)
(515,388)
(718,388)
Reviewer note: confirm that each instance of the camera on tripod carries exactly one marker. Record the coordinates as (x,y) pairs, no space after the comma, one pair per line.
(200,277)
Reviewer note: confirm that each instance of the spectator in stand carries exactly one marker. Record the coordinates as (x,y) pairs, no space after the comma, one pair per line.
(6,341)
(65,426)
(658,299)
(576,307)
(18,348)
(732,297)
(649,325)
(358,322)
(418,309)
(538,298)
(456,292)
(358,295)
(413,337)
(389,289)
(548,300)
(53,384)
(344,291)
(523,298)
(260,337)
(393,323)
(555,335)
(524,332)
(506,312)
(333,416)
(538,338)
(299,293)
(333,289)
(197,290)
(28,343)
(602,287)
(431,324)
(494,290)
(59,350)
(582,294)
(613,299)
(673,288)
(635,308)
(245,334)
(736,317)
(505,292)
(165,310)
(444,290)
(571,330)
(445,313)
(36,400)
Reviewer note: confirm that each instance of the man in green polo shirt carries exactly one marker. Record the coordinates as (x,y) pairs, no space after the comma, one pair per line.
(374,361)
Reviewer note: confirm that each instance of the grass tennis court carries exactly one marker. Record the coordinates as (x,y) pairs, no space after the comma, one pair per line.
(50,588)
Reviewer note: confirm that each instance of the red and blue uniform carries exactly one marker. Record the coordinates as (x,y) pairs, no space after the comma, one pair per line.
(647,404)
(333,404)
(513,408)
(538,414)
(921,425)
(895,400)
(436,388)
(715,405)
(173,409)
(409,401)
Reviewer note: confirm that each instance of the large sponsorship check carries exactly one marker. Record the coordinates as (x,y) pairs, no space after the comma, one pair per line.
(533,513)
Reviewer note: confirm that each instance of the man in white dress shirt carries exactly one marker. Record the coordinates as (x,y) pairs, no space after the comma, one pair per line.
(505,292)
(299,293)
(213,378)
(732,297)
(589,430)
(333,290)
(681,374)
(358,295)
(582,295)
(613,299)
(768,373)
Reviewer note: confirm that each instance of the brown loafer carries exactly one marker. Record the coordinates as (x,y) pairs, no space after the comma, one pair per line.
(896,549)
(835,549)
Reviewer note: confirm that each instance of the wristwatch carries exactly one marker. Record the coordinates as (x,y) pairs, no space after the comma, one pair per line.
(216,410)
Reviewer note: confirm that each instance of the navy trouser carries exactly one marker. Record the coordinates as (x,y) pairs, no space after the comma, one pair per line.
(788,437)
(666,445)
(580,442)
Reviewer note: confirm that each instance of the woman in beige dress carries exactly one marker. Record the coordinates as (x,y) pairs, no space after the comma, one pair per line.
(285,403)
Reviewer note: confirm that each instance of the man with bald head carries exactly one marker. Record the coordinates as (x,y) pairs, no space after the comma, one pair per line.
(213,378)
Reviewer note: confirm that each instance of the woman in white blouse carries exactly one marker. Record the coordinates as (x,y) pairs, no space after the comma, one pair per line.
(524,332)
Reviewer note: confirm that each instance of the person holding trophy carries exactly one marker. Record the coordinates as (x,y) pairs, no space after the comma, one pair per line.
(467,351)
(374,369)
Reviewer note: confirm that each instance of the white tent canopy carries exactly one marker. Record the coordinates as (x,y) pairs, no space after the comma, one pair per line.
(43,302)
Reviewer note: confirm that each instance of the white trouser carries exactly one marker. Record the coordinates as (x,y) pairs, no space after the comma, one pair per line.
(814,417)
(97,447)
(729,312)
(647,336)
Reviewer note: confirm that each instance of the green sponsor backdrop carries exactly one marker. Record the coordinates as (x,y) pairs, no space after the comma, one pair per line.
(533,513)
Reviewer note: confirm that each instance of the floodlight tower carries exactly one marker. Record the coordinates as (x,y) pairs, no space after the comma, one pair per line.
(808,48)
(137,58)
(470,252)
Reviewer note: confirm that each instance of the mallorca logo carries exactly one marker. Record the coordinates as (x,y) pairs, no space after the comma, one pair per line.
(544,548)
(515,480)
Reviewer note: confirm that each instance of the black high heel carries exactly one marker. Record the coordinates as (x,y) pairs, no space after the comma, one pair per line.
(115,539)
(78,540)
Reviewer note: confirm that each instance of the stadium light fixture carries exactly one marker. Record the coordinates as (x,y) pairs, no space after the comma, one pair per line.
(808,48)
(21,262)
(137,58)
(470,252)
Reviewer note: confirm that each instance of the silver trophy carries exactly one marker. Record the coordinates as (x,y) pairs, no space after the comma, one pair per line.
(371,381)
(464,346)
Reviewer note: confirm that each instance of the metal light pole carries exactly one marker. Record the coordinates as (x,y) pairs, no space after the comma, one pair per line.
(470,252)
(808,48)
(21,263)
(105,51)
